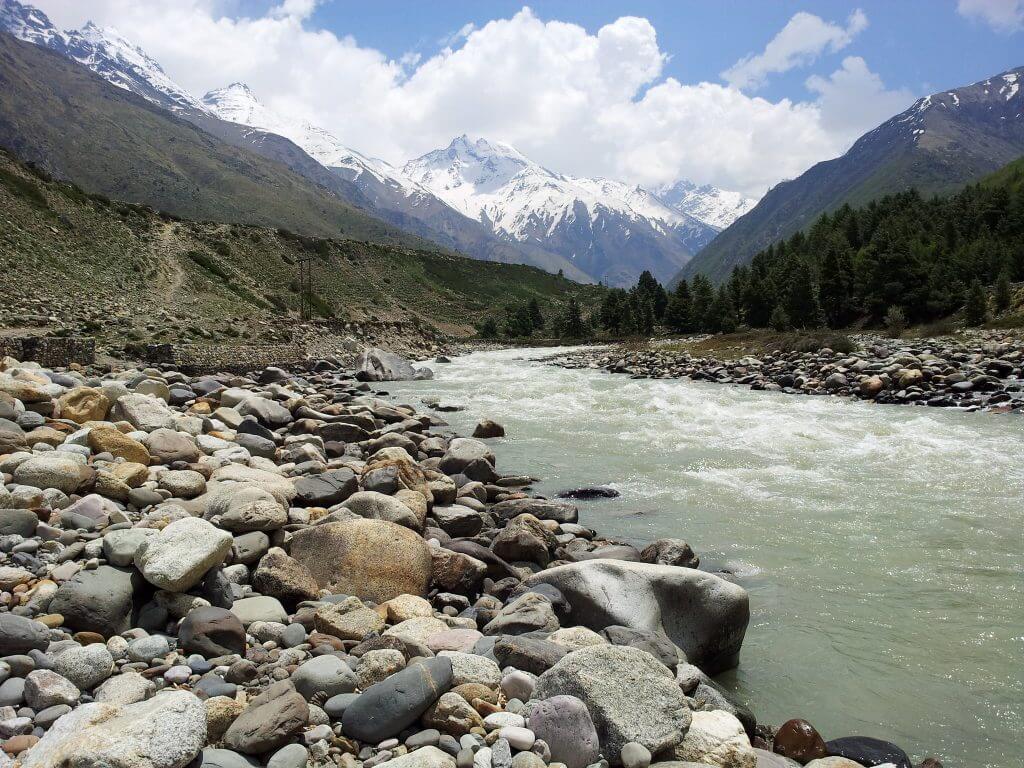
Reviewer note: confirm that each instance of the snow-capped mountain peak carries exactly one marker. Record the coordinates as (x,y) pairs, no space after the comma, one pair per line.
(237,103)
(715,207)
(103,50)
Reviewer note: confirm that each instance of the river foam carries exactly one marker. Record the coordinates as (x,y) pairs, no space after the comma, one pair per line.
(881,544)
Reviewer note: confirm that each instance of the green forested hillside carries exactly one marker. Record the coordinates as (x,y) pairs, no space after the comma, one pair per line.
(925,258)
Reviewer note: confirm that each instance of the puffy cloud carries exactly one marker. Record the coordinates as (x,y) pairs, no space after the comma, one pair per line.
(579,103)
(854,95)
(1001,15)
(804,38)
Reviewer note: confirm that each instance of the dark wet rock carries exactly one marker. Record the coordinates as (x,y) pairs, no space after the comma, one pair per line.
(798,740)
(591,492)
(868,751)
(386,708)
(212,632)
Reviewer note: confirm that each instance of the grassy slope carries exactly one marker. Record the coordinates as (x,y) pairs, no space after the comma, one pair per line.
(124,272)
(60,115)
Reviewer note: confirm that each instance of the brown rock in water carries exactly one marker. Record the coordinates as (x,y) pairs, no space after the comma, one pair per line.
(670,552)
(488,428)
(797,740)
(373,559)
(83,404)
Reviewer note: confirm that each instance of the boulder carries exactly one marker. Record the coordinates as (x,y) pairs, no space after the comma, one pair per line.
(143,412)
(703,614)
(56,469)
(373,559)
(463,451)
(326,489)
(116,443)
(564,724)
(244,508)
(166,446)
(284,577)
(379,506)
(528,613)
(178,557)
(19,635)
(670,552)
(716,738)
(425,757)
(654,714)
(389,707)
(486,429)
(86,666)
(327,676)
(456,572)
(99,600)
(211,632)
(166,731)
(542,509)
(270,720)
(868,751)
(524,538)
(798,740)
(377,365)
(83,404)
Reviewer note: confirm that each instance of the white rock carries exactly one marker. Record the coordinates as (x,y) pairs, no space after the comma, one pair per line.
(717,738)
(178,556)
(167,731)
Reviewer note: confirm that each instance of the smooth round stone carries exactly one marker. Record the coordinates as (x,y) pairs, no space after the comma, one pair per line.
(427,738)
(215,686)
(148,648)
(518,685)
(224,758)
(504,720)
(178,675)
(635,755)
(289,756)
(519,738)
(293,634)
(466,758)
(482,758)
(12,692)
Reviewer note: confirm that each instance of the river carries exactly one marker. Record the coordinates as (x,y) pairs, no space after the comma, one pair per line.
(881,545)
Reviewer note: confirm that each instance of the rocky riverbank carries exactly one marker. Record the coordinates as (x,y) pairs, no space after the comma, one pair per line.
(287,569)
(981,372)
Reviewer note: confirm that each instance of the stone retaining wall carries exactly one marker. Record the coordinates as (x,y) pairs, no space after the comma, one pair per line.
(48,351)
(213,358)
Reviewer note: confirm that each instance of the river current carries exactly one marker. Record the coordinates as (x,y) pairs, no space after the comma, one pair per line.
(881,545)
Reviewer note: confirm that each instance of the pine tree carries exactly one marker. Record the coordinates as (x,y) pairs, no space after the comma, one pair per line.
(837,283)
(488,329)
(703,295)
(757,303)
(976,309)
(679,312)
(721,317)
(802,305)
(571,325)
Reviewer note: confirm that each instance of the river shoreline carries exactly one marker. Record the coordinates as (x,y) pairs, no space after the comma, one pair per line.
(978,373)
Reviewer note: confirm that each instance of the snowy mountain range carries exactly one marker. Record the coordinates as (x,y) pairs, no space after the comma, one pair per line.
(478,196)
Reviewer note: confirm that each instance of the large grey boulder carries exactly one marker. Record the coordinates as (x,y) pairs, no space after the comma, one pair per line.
(703,614)
(99,600)
(143,412)
(63,471)
(379,506)
(542,509)
(565,725)
(167,731)
(630,695)
(377,365)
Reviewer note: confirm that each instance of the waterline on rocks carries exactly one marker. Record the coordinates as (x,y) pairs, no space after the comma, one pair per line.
(881,546)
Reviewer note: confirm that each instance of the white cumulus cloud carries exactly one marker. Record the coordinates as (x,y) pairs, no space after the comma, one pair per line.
(578,102)
(804,38)
(1001,15)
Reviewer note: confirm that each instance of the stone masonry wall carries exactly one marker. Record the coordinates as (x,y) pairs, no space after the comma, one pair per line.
(48,351)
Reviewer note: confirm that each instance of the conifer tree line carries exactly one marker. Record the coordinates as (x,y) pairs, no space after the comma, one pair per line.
(525,320)
(922,258)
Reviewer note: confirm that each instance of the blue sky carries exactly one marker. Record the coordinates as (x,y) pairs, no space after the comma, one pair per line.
(921,45)
(741,94)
